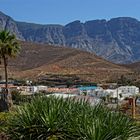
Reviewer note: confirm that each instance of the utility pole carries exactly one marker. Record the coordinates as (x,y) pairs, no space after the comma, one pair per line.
(117,99)
(133,108)
(134,105)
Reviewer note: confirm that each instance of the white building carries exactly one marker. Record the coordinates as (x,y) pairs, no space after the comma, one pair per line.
(41,88)
(128,89)
(98,92)
(33,89)
(62,95)
(123,92)
(111,92)
(86,90)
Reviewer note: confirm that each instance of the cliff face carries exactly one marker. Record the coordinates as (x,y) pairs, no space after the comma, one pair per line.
(9,24)
(51,34)
(117,40)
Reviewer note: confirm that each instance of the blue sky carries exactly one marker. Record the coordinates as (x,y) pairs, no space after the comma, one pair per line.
(65,11)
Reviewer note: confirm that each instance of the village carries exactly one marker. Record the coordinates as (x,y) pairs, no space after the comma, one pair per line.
(124,98)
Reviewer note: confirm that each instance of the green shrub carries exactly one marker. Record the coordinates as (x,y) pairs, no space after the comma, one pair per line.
(19,99)
(16,97)
(58,119)
(3,119)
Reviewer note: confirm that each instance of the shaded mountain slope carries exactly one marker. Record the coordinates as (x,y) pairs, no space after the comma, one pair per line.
(116,40)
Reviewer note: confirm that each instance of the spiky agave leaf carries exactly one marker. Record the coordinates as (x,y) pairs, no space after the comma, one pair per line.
(56,118)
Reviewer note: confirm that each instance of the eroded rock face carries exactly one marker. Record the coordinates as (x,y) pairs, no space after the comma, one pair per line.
(117,40)
(52,34)
(9,24)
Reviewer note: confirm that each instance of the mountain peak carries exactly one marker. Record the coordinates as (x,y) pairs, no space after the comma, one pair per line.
(124,19)
(116,40)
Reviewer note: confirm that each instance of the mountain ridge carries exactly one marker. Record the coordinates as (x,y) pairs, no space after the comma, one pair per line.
(116,40)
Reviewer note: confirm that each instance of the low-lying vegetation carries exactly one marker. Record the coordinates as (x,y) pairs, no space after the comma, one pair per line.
(58,119)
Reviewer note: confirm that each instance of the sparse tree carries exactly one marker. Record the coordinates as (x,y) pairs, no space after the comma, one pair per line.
(9,47)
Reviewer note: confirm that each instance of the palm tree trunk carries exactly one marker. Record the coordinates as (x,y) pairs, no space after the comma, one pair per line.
(6,75)
(4,97)
(7,95)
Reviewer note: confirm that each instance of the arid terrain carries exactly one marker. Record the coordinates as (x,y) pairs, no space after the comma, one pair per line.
(37,60)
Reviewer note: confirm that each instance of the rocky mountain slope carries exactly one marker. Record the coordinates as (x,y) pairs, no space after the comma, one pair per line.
(116,40)
(8,23)
(37,60)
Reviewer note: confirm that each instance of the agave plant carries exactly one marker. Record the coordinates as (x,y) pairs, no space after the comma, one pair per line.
(53,118)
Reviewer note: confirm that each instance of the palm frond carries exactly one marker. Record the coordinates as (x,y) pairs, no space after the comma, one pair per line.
(8,44)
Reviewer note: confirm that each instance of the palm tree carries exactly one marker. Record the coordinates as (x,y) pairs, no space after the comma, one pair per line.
(8,48)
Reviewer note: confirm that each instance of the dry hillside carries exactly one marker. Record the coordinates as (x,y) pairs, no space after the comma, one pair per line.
(36,60)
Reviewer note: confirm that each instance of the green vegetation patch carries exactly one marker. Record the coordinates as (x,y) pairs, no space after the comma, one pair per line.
(67,119)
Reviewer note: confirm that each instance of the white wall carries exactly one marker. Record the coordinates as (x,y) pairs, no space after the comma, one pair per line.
(124,91)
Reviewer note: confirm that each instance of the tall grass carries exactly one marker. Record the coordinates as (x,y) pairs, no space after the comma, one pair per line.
(58,119)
